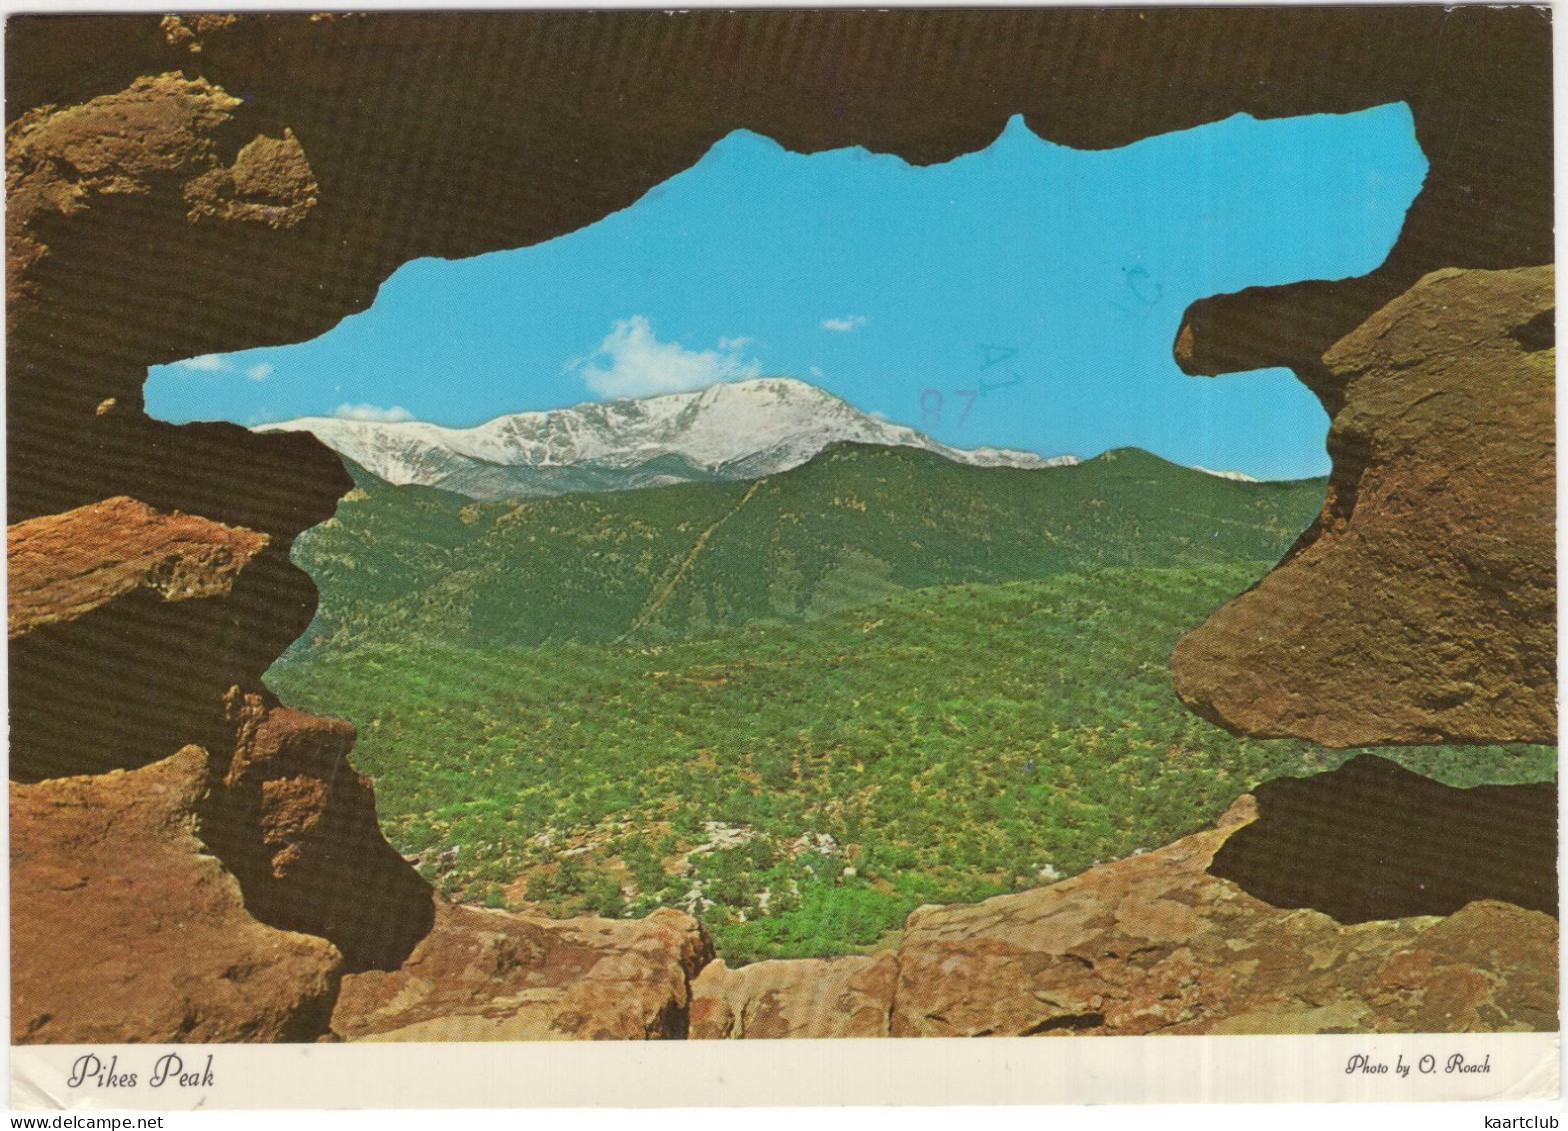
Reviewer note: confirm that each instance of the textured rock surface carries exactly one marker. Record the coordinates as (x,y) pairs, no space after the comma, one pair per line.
(127,626)
(133,633)
(297,825)
(117,204)
(1421,606)
(493,976)
(1155,944)
(62,567)
(124,930)
(811,997)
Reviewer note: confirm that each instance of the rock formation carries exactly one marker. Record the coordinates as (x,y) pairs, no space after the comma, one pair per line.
(124,929)
(297,826)
(491,976)
(1155,944)
(137,639)
(849,996)
(128,626)
(1421,606)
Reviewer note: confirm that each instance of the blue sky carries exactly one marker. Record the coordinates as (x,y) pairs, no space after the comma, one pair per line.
(1023,296)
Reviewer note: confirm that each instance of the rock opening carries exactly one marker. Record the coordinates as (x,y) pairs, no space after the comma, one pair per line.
(1374,841)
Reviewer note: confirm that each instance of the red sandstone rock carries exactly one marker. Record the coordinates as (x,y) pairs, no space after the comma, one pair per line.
(200,860)
(1486,968)
(809,997)
(128,625)
(124,929)
(294,821)
(64,566)
(130,630)
(1421,606)
(493,976)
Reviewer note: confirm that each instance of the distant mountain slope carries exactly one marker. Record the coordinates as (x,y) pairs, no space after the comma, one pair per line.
(734,431)
(852,527)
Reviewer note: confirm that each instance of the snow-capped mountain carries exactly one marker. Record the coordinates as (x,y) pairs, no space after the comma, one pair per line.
(1236,476)
(735,430)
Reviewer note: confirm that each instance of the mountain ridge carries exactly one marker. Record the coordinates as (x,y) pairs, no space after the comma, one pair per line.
(726,432)
(854,525)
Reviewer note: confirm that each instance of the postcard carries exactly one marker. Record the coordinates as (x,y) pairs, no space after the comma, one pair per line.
(619,557)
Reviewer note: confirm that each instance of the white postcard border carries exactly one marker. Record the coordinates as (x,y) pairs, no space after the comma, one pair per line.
(794,1073)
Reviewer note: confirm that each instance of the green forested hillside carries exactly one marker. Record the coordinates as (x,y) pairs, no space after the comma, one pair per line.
(802,706)
(856,525)
(803,787)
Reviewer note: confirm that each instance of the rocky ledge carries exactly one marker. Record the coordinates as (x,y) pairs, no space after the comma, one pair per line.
(124,929)
(1154,944)
(484,975)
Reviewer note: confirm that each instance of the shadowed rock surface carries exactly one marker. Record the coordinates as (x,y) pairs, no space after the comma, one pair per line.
(1157,944)
(493,976)
(1371,840)
(123,929)
(1422,604)
(127,626)
(297,825)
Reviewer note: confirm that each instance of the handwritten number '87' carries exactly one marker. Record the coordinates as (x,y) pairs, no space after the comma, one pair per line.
(931,405)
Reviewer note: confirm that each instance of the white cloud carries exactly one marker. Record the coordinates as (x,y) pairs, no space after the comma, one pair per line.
(817,373)
(846,324)
(392,415)
(632,362)
(734,343)
(217,363)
